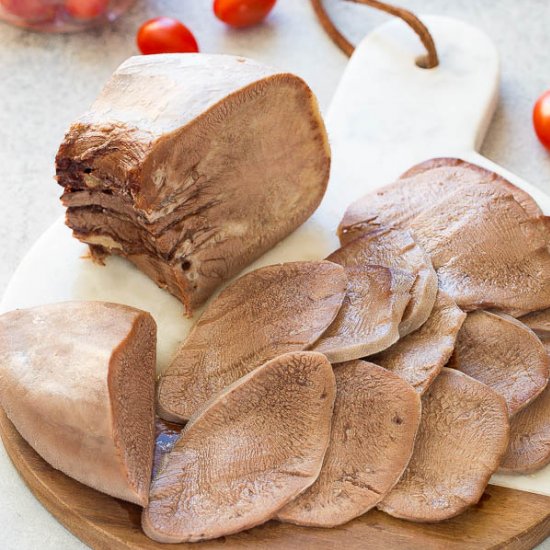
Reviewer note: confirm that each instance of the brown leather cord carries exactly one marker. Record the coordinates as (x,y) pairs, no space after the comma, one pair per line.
(410,18)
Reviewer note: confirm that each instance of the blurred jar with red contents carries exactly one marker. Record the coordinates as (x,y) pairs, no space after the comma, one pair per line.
(61,15)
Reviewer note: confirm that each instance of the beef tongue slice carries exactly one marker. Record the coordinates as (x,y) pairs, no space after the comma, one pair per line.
(267,312)
(192,166)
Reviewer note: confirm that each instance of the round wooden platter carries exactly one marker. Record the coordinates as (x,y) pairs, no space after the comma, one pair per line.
(504,518)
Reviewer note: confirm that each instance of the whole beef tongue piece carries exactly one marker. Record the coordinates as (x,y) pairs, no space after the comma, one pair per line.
(77,379)
(462,438)
(209,161)
(267,312)
(247,453)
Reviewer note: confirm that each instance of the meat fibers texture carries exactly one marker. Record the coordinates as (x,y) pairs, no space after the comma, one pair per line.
(376,417)
(462,438)
(505,355)
(486,238)
(395,248)
(247,453)
(267,312)
(419,357)
(77,380)
(368,321)
(192,166)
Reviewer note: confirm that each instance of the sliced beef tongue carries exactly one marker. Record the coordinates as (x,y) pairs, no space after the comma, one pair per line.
(246,454)
(265,313)
(487,239)
(368,321)
(376,417)
(422,187)
(505,355)
(462,438)
(192,166)
(419,357)
(395,248)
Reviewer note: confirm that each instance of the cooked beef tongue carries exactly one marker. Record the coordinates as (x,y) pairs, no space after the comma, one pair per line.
(251,450)
(376,417)
(529,448)
(265,313)
(395,248)
(505,355)
(77,380)
(489,250)
(419,357)
(462,437)
(422,187)
(368,321)
(192,166)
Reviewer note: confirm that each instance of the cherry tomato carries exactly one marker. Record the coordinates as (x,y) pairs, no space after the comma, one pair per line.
(165,35)
(242,13)
(541,118)
(86,9)
(30,10)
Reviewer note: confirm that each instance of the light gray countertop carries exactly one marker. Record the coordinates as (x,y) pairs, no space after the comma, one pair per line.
(46,81)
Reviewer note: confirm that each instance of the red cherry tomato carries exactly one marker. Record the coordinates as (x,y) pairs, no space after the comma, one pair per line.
(541,118)
(165,35)
(30,10)
(86,9)
(242,13)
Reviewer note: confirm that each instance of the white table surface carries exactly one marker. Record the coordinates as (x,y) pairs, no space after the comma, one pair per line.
(46,81)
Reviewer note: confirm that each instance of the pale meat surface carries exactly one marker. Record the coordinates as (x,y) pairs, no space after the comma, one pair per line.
(251,450)
(487,251)
(77,380)
(395,249)
(419,357)
(368,321)
(376,417)
(420,188)
(462,438)
(192,166)
(265,313)
(505,355)
(487,239)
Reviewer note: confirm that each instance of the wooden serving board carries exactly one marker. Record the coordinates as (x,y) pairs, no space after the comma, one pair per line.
(504,518)
(386,115)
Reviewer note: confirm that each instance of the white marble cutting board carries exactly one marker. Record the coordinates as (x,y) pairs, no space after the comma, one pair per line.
(387,115)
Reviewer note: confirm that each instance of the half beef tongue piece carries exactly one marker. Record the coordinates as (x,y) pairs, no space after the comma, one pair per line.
(419,357)
(192,166)
(263,314)
(376,417)
(368,321)
(395,248)
(462,438)
(505,355)
(77,379)
(256,446)
(422,187)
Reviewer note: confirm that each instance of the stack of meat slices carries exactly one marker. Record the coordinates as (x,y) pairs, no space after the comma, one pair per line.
(314,391)
(426,314)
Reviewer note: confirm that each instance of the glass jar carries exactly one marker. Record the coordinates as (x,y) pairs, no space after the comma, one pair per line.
(61,15)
